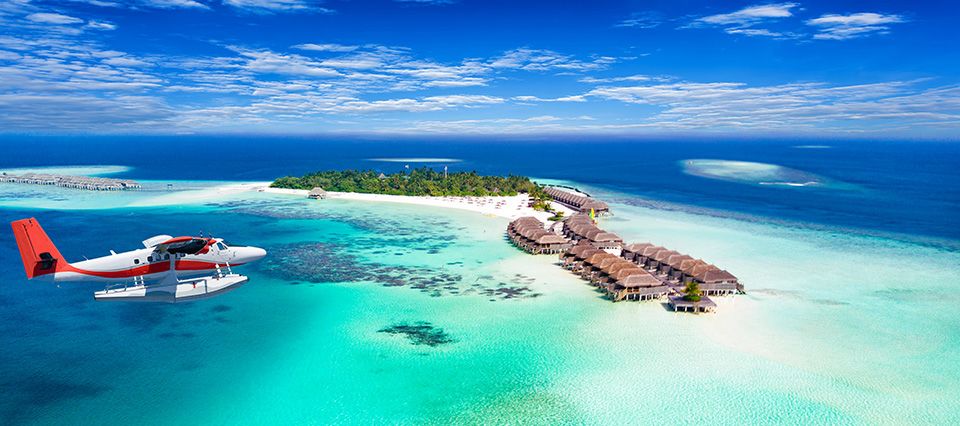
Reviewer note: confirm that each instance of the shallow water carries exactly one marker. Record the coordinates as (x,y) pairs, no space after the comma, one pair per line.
(835,328)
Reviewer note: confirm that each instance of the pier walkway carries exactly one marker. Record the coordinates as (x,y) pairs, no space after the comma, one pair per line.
(88,183)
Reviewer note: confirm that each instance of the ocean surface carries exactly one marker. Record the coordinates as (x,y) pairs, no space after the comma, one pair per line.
(373,313)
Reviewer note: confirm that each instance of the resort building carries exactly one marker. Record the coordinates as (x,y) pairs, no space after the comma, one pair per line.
(529,234)
(317,193)
(677,269)
(636,284)
(579,203)
(632,251)
(678,303)
(640,271)
(580,227)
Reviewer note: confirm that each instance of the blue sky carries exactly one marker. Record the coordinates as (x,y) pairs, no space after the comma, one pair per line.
(464,67)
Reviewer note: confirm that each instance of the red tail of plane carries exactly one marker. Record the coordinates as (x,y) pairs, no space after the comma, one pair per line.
(40,256)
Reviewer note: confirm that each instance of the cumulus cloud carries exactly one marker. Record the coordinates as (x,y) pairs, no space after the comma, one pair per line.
(842,27)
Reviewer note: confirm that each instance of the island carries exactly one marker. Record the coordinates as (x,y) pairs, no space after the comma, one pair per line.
(417,182)
(639,271)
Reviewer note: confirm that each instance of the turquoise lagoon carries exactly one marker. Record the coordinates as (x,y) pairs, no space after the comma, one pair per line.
(836,328)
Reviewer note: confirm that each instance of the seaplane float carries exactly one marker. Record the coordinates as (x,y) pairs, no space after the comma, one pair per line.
(167,269)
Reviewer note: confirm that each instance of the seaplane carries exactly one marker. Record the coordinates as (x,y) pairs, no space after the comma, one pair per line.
(166,269)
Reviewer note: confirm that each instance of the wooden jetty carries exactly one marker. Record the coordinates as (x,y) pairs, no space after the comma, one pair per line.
(88,183)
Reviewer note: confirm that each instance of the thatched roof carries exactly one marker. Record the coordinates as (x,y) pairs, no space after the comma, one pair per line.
(641,279)
(715,275)
(636,247)
(662,255)
(649,251)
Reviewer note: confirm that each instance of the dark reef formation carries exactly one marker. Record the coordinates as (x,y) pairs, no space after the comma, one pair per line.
(419,333)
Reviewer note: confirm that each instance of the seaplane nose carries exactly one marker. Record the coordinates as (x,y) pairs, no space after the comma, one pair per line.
(251,254)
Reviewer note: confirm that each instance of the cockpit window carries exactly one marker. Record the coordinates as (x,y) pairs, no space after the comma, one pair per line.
(220,246)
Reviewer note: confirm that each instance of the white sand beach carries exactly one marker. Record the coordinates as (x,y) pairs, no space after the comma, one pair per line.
(509,207)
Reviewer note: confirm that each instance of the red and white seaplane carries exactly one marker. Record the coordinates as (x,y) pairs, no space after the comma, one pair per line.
(152,273)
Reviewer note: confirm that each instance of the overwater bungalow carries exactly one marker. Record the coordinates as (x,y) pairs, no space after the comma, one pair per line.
(678,303)
(591,265)
(632,251)
(609,273)
(636,284)
(659,258)
(580,203)
(569,256)
(580,227)
(601,267)
(642,257)
(718,282)
(529,234)
(671,266)
(581,259)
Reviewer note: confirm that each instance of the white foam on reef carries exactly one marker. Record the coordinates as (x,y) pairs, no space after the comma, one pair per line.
(213,192)
(95,170)
(416,160)
(753,173)
(812,146)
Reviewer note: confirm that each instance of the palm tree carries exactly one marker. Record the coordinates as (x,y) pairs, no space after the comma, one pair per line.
(692,293)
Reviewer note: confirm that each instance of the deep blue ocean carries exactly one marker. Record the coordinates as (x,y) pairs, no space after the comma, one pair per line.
(909,189)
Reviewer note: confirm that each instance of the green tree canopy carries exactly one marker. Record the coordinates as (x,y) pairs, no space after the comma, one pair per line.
(422,181)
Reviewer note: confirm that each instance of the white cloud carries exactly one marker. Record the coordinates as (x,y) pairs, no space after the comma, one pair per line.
(744,21)
(545,60)
(156,4)
(842,27)
(750,15)
(101,25)
(269,6)
(326,47)
(125,62)
(53,18)
(806,105)
(644,20)
(753,32)
(427,1)
(174,4)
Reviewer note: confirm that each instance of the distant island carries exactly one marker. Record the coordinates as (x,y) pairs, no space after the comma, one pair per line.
(417,182)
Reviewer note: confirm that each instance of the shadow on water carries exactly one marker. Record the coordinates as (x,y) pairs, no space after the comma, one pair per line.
(28,395)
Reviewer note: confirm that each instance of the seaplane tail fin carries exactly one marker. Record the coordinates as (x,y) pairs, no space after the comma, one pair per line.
(40,256)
